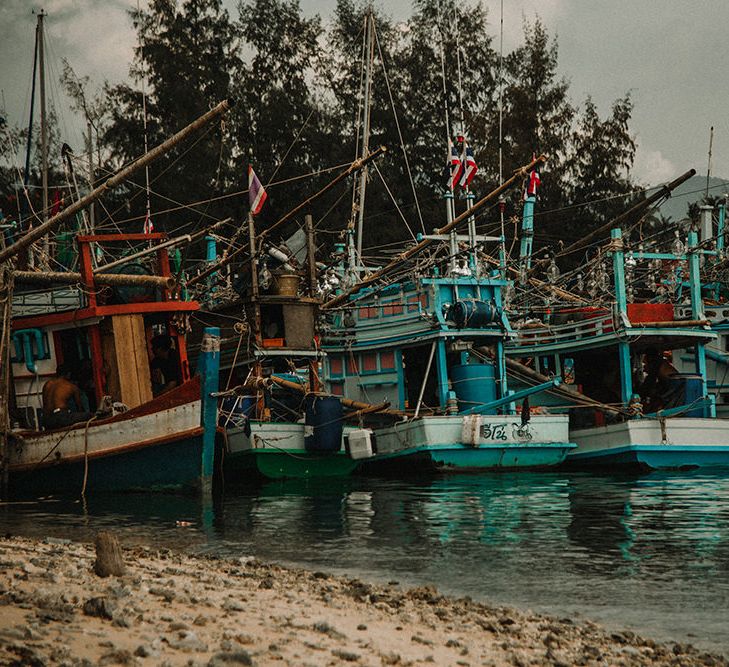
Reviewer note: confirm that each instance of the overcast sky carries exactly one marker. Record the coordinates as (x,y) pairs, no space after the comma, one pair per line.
(670,54)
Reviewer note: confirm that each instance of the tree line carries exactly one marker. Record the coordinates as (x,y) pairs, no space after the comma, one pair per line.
(296,80)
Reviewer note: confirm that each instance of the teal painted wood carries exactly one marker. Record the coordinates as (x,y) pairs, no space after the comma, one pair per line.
(173,466)
(653,457)
(456,457)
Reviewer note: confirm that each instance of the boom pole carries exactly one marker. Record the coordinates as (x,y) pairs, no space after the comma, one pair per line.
(120,176)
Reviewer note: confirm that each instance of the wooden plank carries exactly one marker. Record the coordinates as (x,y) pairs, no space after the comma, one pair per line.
(132,359)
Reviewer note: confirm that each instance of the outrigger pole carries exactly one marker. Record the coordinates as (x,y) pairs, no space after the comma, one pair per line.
(664,191)
(354,167)
(37,232)
(422,245)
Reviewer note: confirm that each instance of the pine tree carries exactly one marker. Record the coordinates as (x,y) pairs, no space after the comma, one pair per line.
(187,54)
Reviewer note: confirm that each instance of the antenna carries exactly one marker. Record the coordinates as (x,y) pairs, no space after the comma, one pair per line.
(148,212)
(502,201)
(708,167)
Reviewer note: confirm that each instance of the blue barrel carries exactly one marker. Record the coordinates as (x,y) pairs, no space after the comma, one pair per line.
(474,314)
(323,424)
(690,388)
(474,384)
(234,410)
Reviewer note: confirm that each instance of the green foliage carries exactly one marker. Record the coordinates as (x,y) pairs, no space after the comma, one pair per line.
(298,86)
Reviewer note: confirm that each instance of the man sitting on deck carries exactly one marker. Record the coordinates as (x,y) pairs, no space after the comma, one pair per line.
(58,394)
(657,390)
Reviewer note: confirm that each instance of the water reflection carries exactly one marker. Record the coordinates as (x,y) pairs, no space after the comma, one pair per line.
(651,552)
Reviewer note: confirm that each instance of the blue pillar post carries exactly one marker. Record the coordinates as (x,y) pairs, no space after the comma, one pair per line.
(626,371)
(209,368)
(697,313)
(527,232)
(442,373)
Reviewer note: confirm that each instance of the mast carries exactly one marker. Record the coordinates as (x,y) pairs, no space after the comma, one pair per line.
(43,127)
(450,204)
(365,149)
(148,212)
(502,201)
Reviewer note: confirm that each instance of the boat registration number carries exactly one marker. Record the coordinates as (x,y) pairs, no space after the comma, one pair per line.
(500,432)
(493,432)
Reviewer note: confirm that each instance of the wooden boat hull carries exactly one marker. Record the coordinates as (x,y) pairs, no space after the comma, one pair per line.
(275,450)
(646,444)
(451,444)
(157,446)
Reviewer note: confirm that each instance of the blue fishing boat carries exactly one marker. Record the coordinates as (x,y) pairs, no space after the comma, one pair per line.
(630,408)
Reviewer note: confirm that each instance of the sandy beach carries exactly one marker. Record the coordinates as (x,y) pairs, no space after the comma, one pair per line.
(175,609)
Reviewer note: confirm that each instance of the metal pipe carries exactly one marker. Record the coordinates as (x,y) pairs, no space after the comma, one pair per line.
(111,279)
(37,232)
(517,396)
(147,251)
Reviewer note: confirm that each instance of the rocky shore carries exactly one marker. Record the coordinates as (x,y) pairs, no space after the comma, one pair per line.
(174,609)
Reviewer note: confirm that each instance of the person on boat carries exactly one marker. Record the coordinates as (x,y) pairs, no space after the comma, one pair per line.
(657,390)
(59,394)
(165,366)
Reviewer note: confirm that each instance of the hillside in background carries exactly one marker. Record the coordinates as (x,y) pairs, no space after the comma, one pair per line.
(692,190)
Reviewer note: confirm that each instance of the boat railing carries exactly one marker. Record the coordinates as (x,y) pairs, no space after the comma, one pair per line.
(545,333)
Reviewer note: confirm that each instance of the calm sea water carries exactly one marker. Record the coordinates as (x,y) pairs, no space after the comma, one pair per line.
(650,553)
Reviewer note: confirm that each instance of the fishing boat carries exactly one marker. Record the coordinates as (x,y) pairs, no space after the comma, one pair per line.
(630,408)
(97,322)
(277,420)
(142,440)
(433,348)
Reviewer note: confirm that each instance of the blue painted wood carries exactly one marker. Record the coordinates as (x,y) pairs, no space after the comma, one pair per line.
(173,466)
(527,232)
(209,367)
(457,457)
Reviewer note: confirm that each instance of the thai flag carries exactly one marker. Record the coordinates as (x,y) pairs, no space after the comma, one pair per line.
(256,192)
(454,168)
(148,225)
(533,182)
(468,164)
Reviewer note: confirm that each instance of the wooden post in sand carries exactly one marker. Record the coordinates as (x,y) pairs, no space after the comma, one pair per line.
(109,561)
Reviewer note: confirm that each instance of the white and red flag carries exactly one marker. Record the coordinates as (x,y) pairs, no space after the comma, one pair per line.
(468,165)
(256,192)
(454,167)
(148,224)
(533,182)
